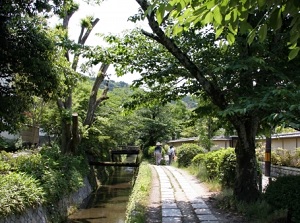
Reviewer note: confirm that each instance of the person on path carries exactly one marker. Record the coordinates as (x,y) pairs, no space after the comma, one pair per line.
(171,153)
(157,153)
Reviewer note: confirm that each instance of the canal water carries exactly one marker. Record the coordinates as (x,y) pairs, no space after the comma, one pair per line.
(108,203)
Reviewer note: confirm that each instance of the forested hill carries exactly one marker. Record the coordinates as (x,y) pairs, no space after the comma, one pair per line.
(188,100)
(112,84)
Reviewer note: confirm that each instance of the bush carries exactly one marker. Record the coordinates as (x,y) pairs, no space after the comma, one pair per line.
(19,191)
(281,157)
(198,159)
(219,165)
(284,194)
(186,153)
(228,168)
(29,180)
(58,174)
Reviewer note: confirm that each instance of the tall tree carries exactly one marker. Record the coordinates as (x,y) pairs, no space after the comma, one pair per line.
(70,138)
(29,62)
(238,81)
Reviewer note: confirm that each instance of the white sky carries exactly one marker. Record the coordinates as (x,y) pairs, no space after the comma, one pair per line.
(113,15)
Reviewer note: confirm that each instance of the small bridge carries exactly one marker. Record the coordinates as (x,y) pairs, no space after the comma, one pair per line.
(131,153)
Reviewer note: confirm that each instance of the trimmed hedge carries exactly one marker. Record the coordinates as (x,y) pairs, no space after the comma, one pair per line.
(186,152)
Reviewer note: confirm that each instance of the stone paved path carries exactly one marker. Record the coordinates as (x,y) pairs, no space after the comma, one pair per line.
(181,201)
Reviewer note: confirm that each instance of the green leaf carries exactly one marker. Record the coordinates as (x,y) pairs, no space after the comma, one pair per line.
(219,32)
(234,14)
(262,32)
(160,13)
(294,37)
(210,4)
(293,53)
(217,15)
(228,17)
(169,7)
(232,29)
(245,27)
(177,30)
(208,18)
(225,3)
(230,38)
(261,3)
(251,37)
(275,19)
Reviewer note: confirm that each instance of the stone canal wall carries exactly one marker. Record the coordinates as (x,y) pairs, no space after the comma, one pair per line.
(277,171)
(51,214)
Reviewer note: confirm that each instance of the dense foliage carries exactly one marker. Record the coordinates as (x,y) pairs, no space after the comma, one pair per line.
(281,157)
(283,193)
(232,17)
(29,62)
(40,178)
(18,192)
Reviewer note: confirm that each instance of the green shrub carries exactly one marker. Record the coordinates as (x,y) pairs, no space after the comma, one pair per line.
(260,153)
(198,159)
(284,194)
(186,152)
(19,191)
(219,166)
(41,178)
(297,157)
(4,162)
(281,157)
(59,174)
(228,168)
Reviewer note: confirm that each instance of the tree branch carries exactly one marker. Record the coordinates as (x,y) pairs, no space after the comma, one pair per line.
(213,91)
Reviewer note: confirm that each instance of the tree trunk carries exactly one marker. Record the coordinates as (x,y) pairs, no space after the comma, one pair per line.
(75,135)
(70,141)
(246,184)
(94,102)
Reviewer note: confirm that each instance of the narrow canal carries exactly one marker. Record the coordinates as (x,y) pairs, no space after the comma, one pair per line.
(108,203)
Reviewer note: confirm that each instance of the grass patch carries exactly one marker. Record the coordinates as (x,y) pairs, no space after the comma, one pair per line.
(257,212)
(139,198)
(201,174)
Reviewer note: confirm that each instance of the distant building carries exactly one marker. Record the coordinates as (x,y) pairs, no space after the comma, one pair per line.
(289,141)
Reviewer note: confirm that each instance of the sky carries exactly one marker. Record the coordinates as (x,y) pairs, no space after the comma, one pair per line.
(113,15)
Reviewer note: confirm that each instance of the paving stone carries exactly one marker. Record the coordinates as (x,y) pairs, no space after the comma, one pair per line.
(167,192)
(169,205)
(171,220)
(207,217)
(199,205)
(171,212)
(212,221)
(202,211)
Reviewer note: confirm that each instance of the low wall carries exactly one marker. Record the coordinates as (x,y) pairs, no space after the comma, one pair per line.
(45,215)
(277,171)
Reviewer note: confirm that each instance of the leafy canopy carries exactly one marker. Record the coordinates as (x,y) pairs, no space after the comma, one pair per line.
(230,17)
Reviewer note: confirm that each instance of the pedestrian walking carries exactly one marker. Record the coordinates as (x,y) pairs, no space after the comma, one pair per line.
(157,153)
(171,154)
